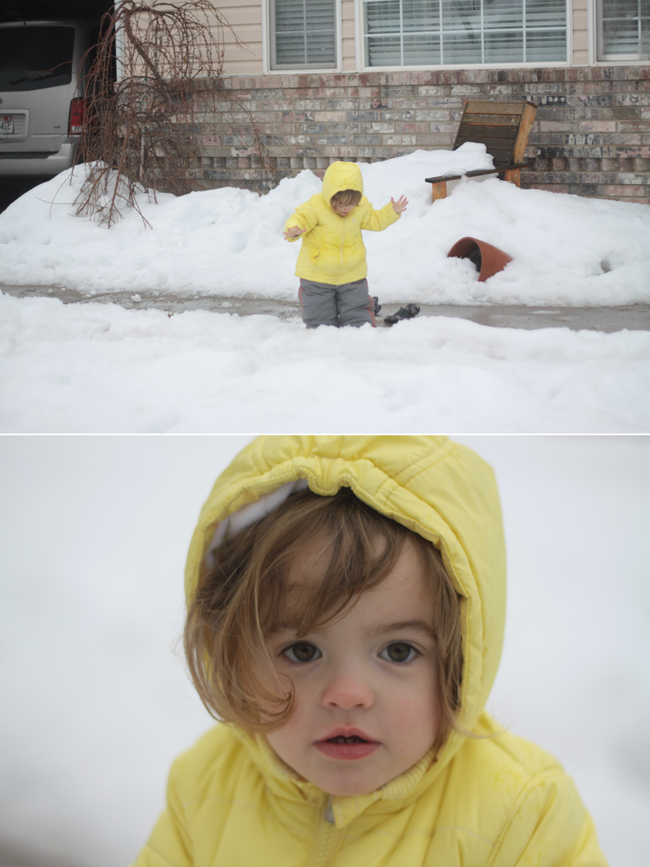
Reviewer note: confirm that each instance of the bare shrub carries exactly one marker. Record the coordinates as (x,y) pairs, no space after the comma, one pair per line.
(141,126)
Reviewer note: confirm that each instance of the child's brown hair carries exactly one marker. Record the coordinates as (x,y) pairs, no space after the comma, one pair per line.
(346,197)
(244,592)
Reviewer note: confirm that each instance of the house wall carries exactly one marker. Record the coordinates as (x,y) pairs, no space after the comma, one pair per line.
(591,135)
(348,49)
(245,18)
(580,32)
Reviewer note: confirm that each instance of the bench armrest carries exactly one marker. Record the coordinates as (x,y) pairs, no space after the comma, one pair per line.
(476,173)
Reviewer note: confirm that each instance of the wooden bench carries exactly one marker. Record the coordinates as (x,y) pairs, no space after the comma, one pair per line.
(503,127)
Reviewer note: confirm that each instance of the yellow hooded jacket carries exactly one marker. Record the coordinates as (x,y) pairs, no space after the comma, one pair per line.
(333,250)
(497,801)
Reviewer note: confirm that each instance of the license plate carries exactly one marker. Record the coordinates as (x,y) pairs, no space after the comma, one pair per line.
(6,123)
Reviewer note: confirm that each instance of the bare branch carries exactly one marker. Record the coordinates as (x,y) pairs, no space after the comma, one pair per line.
(140,132)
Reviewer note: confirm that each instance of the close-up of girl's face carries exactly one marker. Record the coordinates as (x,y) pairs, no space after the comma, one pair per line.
(366,694)
(94,534)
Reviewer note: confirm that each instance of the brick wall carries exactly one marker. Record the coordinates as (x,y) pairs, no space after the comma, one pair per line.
(591,135)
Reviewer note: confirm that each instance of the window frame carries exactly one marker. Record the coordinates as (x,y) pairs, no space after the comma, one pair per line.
(361,53)
(268,47)
(594,24)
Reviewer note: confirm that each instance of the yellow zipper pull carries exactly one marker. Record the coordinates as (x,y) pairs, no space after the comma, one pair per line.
(329,811)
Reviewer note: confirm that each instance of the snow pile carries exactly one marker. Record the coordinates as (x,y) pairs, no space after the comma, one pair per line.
(96,704)
(101,368)
(567,250)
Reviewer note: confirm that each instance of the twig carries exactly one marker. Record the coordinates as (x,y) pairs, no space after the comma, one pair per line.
(139,133)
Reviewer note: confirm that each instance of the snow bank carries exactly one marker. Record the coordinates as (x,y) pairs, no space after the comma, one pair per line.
(101,368)
(567,250)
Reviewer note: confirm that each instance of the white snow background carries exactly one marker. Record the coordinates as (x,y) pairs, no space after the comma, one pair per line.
(100,368)
(94,532)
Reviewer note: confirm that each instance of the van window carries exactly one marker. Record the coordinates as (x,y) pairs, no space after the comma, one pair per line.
(32,58)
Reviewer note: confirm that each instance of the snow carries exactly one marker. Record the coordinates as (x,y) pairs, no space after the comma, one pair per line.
(94,532)
(100,368)
(566,250)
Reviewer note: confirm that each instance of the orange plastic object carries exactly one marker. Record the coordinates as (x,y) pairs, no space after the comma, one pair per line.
(489,260)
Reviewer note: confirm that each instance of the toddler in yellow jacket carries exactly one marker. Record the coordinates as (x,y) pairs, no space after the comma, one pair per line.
(332,261)
(346,604)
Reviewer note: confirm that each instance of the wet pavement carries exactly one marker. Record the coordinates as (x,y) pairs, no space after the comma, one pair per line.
(634,317)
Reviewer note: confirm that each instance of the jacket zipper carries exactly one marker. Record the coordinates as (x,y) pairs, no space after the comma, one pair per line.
(341,248)
(327,839)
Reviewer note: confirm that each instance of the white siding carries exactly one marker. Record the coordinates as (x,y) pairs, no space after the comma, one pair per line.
(245,18)
(348,34)
(580,33)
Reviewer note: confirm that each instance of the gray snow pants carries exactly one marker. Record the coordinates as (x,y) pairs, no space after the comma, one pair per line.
(325,304)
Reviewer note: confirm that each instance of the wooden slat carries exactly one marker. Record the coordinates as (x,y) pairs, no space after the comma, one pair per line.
(498,136)
(491,131)
(439,189)
(492,119)
(441,181)
(479,106)
(524,131)
(497,169)
(501,158)
(475,173)
(513,176)
(506,141)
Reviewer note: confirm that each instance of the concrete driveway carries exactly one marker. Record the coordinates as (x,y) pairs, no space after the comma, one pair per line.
(635,317)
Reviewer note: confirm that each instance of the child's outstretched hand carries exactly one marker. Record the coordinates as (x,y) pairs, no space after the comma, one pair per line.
(400,204)
(294,232)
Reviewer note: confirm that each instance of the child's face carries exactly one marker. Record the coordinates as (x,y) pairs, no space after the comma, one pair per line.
(343,210)
(366,696)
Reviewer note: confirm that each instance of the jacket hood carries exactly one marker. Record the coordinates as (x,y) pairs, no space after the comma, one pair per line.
(341,176)
(434,487)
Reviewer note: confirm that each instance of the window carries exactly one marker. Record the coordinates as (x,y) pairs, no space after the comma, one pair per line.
(624,29)
(35,57)
(440,32)
(303,33)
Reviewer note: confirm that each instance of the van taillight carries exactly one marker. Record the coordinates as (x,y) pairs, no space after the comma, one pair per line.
(77,109)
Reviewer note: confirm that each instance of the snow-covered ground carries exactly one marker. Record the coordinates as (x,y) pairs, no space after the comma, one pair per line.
(100,368)
(95,702)
(566,250)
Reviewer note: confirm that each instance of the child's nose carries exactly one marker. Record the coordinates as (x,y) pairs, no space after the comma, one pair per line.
(346,690)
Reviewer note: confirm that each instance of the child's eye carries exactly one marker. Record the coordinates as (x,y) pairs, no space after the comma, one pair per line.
(399,651)
(302,651)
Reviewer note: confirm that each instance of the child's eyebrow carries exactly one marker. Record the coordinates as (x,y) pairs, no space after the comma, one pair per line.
(284,626)
(379,629)
(400,625)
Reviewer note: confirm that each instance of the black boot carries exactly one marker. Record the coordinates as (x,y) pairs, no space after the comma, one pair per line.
(407,312)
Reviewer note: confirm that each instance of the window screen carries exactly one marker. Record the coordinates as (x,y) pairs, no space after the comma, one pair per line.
(437,32)
(624,30)
(303,33)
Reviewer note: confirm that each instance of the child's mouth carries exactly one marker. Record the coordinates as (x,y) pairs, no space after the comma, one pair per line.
(347,747)
(340,739)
